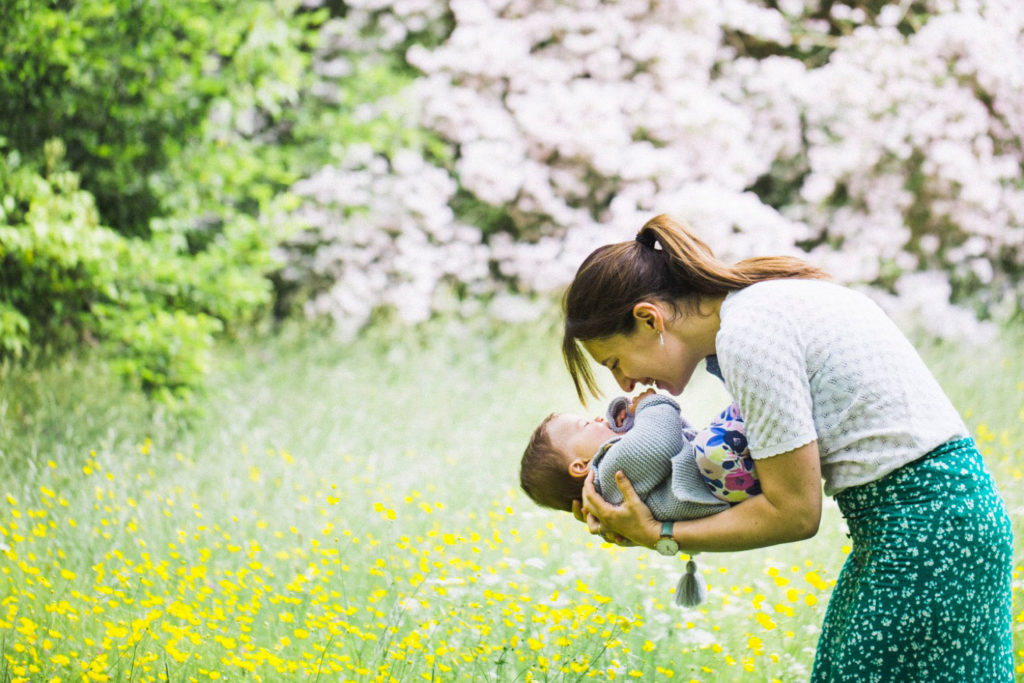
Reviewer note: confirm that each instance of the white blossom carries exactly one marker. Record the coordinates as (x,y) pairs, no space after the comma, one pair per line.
(896,149)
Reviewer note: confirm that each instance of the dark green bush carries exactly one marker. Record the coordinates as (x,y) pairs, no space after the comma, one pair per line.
(145,156)
(147,151)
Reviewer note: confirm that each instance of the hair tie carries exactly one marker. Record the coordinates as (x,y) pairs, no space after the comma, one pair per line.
(646,238)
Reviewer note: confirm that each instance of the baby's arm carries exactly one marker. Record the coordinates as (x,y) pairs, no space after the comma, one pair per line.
(619,416)
(621,411)
(644,453)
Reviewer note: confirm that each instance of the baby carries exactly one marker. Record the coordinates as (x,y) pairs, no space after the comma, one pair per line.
(680,473)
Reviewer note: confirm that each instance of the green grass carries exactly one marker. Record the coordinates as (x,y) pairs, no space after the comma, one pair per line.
(352,512)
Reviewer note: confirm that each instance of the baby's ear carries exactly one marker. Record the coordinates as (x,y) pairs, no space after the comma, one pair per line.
(579,468)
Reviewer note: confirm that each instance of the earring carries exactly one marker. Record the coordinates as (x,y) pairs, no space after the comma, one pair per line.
(661,339)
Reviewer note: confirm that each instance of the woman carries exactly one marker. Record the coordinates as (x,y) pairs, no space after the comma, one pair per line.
(829,388)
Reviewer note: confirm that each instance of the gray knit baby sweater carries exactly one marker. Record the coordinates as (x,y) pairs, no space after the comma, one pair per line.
(657,456)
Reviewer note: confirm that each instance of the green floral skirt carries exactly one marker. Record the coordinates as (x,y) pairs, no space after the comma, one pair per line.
(925,594)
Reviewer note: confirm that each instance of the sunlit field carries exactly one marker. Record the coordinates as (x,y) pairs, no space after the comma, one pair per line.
(352,512)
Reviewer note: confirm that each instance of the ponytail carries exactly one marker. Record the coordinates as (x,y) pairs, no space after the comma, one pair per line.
(696,272)
(666,262)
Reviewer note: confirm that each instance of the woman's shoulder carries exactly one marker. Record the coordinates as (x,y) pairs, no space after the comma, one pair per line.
(787,289)
(788,300)
(816,319)
(772,316)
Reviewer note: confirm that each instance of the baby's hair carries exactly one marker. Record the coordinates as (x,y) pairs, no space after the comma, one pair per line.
(544,472)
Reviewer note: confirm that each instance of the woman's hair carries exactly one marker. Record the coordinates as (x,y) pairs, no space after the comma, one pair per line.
(666,262)
(544,474)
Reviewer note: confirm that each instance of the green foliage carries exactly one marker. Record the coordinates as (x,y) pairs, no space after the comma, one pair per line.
(108,77)
(129,85)
(67,279)
(169,349)
(147,152)
(55,255)
(13,330)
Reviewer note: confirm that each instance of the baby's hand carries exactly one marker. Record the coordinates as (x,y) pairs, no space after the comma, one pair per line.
(639,397)
(620,416)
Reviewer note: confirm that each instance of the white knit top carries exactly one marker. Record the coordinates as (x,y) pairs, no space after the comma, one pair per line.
(809,359)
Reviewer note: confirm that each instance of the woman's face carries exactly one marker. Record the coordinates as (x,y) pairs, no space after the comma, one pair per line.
(641,358)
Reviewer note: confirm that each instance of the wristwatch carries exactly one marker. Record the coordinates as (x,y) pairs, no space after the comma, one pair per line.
(667,545)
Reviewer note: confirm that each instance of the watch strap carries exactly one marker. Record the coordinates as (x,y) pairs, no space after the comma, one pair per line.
(666,529)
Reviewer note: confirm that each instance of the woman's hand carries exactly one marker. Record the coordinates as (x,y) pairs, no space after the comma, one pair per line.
(628,524)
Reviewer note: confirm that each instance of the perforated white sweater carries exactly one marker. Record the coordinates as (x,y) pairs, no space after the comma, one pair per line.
(809,359)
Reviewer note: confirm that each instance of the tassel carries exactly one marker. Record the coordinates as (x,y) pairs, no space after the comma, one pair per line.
(692,590)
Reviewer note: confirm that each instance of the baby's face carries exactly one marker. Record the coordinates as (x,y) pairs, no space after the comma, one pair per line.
(578,437)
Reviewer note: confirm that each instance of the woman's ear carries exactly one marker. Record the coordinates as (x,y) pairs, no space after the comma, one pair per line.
(579,468)
(649,316)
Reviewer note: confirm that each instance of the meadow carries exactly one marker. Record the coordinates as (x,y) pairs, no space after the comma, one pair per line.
(351,512)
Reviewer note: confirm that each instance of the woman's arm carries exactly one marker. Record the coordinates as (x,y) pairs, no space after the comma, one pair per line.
(788,510)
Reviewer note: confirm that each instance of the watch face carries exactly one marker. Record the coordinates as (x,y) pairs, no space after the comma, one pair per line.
(667,546)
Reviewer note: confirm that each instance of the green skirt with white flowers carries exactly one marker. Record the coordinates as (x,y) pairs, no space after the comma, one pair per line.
(925,594)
